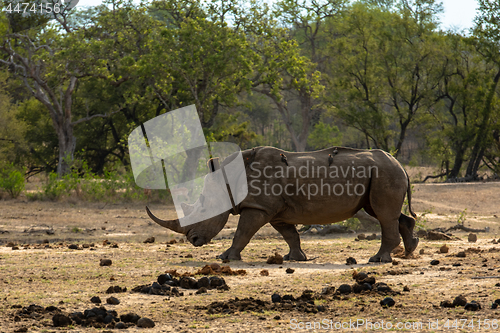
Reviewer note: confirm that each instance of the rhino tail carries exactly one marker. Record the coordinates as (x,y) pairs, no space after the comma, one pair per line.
(408,193)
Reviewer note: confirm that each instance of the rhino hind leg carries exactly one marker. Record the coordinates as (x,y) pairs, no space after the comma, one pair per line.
(292,238)
(390,239)
(406,225)
(251,220)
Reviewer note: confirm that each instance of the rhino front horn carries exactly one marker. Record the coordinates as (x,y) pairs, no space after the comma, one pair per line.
(173,225)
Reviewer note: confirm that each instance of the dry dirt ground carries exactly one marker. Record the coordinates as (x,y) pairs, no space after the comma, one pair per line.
(51,274)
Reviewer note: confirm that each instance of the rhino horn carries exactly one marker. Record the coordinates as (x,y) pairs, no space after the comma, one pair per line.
(173,225)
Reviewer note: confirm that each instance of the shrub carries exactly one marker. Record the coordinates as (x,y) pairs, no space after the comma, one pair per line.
(12,180)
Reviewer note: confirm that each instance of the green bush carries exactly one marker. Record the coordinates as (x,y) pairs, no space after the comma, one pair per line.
(12,180)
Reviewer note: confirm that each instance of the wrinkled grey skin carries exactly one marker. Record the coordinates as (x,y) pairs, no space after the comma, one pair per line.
(383,199)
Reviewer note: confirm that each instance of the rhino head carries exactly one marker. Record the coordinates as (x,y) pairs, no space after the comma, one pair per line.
(202,232)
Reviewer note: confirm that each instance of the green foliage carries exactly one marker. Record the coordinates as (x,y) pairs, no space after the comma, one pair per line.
(325,133)
(351,223)
(12,180)
(462,217)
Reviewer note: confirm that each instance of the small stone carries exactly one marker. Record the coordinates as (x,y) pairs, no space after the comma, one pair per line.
(494,305)
(60,320)
(387,302)
(472,238)
(73,247)
(264,272)
(434,262)
(371,237)
(472,306)
(277,259)
(189,255)
(113,301)
(361,236)
(395,262)
(459,301)
(422,251)
(444,249)
(350,261)
(290,270)
(276,298)
(95,299)
(344,289)
(461,254)
(149,240)
(406,288)
(202,290)
(277,318)
(164,278)
(145,323)
(105,262)
(120,326)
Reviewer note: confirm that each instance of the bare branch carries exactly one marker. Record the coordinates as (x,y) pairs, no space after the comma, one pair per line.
(79,121)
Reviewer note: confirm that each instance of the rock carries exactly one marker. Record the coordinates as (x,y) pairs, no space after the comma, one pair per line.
(459,301)
(156,285)
(216,281)
(444,249)
(120,326)
(357,288)
(382,287)
(96,300)
(149,240)
(434,262)
(189,255)
(350,261)
(164,278)
(277,259)
(395,262)
(361,236)
(130,318)
(371,237)
(264,272)
(344,289)
(406,288)
(202,290)
(328,290)
(73,247)
(461,254)
(290,270)
(116,289)
(145,323)
(422,251)
(472,306)
(60,320)
(472,238)
(203,282)
(494,305)
(188,282)
(276,298)
(113,301)
(422,233)
(359,276)
(446,304)
(387,302)
(105,262)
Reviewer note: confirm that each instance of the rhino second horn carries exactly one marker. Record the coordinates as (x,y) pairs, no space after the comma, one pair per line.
(173,225)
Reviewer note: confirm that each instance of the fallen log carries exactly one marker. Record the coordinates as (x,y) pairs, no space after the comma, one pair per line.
(464,228)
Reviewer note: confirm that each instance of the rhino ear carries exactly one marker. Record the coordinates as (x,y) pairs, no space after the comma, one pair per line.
(187,209)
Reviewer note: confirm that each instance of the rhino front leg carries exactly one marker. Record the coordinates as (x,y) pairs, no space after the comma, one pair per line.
(292,238)
(251,220)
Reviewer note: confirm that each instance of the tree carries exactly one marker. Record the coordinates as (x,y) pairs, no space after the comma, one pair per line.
(37,56)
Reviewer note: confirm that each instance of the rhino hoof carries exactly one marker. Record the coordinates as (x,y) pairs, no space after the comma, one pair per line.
(296,257)
(412,248)
(380,259)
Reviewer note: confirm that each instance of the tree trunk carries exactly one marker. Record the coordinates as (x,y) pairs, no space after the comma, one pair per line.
(482,131)
(457,164)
